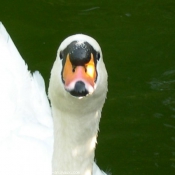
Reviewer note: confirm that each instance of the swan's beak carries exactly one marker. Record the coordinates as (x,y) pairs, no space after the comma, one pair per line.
(79,80)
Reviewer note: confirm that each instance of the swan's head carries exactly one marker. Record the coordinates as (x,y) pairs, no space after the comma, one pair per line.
(79,70)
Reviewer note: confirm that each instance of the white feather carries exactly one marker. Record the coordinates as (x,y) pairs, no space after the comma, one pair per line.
(26,132)
(26,125)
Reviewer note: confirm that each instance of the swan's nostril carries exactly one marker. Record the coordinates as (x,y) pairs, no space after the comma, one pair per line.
(79,89)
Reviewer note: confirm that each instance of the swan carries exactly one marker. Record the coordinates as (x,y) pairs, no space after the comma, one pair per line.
(38,138)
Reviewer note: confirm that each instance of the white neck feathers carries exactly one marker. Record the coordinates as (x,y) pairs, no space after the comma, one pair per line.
(74,142)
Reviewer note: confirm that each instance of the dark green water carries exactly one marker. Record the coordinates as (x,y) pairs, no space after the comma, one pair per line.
(137,130)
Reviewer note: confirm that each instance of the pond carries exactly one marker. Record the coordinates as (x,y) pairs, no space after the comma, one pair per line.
(137,130)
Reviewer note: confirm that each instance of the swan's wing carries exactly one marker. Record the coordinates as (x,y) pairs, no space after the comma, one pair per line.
(25,115)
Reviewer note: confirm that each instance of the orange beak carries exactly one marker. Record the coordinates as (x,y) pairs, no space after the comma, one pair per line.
(86,73)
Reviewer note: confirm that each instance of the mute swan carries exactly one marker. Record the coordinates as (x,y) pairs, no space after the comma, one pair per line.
(77,91)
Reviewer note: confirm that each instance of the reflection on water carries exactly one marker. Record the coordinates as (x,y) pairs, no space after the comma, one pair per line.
(137,130)
(165,82)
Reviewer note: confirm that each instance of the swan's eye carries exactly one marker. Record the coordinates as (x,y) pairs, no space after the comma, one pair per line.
(98,56)
(61,55)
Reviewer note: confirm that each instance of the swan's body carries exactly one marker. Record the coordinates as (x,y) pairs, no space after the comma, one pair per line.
(26,127)
(26,137)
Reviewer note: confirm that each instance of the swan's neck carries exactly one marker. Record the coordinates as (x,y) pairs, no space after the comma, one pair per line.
(74,142)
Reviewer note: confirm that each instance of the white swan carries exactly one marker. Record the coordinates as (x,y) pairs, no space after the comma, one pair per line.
(77,91)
